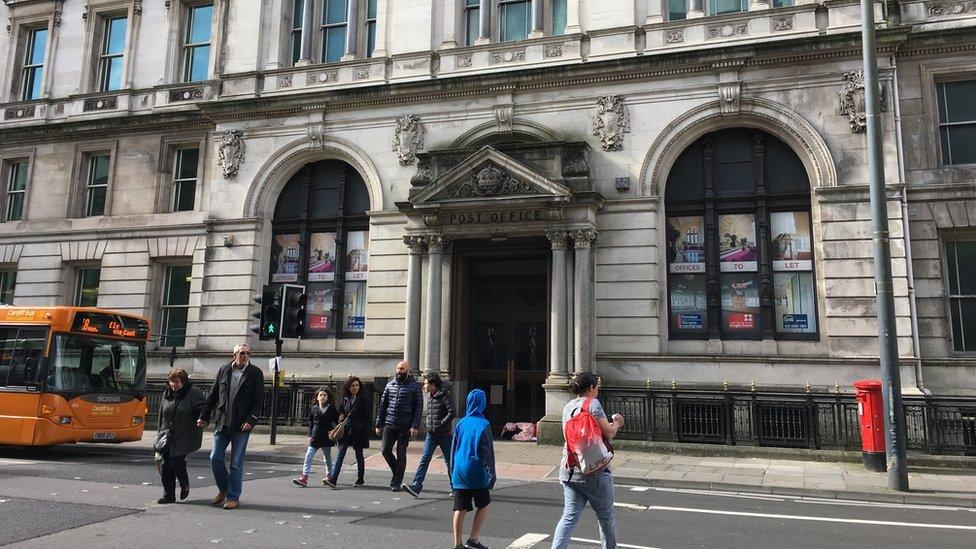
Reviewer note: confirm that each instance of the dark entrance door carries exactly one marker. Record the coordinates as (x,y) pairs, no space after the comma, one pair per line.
(508,336)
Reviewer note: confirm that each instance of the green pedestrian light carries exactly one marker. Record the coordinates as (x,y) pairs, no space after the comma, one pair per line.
(268,312)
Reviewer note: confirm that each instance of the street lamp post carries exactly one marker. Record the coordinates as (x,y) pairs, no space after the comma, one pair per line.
(887,335)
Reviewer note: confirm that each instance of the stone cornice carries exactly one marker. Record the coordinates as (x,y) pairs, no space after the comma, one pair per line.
(104,127)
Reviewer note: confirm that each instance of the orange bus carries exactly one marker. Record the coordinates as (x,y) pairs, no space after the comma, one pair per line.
(71,374)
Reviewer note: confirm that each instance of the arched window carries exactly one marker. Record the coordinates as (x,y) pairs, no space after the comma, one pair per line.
(740,251)
(321,240)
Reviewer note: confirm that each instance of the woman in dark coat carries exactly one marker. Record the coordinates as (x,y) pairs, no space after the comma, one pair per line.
(358,407)
(178,434)
(322,418)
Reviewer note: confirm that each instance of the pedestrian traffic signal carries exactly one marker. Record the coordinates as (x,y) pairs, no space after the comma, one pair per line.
(293,303)
(268,313)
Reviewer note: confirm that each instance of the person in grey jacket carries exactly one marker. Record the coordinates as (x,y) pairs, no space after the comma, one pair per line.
(440,415)
(398,419)
(178,411)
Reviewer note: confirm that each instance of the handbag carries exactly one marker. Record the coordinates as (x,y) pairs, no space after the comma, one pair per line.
(338,431)
(162,439)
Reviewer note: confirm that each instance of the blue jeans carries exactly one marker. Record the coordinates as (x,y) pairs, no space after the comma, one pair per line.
(430,443)
(238,443)
(360,461)
(326,458)
(598,491)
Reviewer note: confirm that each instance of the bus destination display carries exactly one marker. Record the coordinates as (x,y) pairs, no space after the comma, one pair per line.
(111,325)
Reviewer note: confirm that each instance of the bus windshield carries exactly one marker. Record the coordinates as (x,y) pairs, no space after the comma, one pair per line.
(85,364)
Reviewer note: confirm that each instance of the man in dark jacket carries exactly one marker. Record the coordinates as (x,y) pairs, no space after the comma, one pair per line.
(235,401)
(440,414)
(398,419)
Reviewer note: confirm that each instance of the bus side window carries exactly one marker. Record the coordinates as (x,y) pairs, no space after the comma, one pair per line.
(20,348)
(8,340)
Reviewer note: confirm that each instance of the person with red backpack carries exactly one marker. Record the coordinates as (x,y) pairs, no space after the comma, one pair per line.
(585,471)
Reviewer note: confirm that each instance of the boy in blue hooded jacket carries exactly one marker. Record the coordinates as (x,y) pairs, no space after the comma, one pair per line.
(472,469)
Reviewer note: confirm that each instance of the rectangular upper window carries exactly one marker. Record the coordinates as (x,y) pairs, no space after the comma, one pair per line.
(96,185)
(960,260)
(185,179)
(111,54)
(86,286)
(297,16)
(32,71)
(196,44)
(514,20)
(472,21)
(334,30)
(957,121)
(370,27)
(678,9)
(16,190)
(175,305)
(8,280)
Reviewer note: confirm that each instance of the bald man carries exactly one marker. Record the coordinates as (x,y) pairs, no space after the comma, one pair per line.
(398,419)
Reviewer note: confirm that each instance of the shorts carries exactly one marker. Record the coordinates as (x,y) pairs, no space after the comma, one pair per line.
(462,499)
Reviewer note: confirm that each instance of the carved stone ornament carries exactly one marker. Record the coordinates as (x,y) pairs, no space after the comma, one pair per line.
(557,238)
(18,113)
(462,61)
(611,122)
(781,24)
(728,97)
(408,138)
(186,94)
(415,243)
(322,76)
(674,36)
(554,50)
(503,117)
(489,181)
(360,73)
(284,81)
(137,7)
(576,164)
(727,31)
(424,175)
(230,153)
(100,104)
(509,56)
(945,9)
(316,135)
(583,238)
(852,102)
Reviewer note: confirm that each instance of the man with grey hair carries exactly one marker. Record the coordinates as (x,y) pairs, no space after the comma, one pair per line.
(235,401)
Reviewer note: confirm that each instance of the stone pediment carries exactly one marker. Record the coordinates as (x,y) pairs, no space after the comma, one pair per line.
(489,175)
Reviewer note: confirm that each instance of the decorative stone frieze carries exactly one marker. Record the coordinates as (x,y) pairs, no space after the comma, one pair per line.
(945,9)
(507,56)
(230,153)
(187,94)
(360,73)
(781,24)
(284,81)
(19,113)
(727,31)
(611,122)
(408,138)
(576,163)
(852,102)
(462,61)
(490,181)
(728,96)
(100,104)
(322,77)
(554,50)
(674,36)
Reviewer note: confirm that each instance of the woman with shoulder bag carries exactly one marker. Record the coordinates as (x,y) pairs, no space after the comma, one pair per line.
(322,418)
(178,434)
(356,409)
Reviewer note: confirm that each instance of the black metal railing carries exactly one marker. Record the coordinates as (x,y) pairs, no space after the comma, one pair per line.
(938,425)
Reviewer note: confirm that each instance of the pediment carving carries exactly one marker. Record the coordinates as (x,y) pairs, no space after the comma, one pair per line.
(488,181)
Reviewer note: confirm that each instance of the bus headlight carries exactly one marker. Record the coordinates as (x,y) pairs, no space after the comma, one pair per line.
(64,420)
(137,420)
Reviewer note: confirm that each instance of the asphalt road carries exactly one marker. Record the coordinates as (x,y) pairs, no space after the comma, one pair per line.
(84,497)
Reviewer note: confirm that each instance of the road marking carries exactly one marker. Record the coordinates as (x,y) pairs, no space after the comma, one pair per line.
(630,506)
(813,519)
(639,488)
(855,503)
(598,542)
(527,541)
(8,461)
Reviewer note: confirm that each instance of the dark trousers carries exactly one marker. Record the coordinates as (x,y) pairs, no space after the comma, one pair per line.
(360,461)
(171,469)
(397,463)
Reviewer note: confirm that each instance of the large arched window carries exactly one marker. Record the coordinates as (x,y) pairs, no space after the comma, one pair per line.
(740,247)
(321,240)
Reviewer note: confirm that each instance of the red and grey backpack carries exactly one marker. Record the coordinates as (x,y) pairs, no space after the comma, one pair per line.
(585,446)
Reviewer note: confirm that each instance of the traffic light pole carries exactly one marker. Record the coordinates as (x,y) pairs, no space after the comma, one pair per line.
(274,392)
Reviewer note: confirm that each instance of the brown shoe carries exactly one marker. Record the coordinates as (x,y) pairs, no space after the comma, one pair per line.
(219,498)
(231,504)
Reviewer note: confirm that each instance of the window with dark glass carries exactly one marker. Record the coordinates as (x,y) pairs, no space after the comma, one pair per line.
(739,246)
(111,54)
(175,305)
(558,17)
(957,121)
(370,27)
(472,21)
(96,185)
(185,179)
(8,280)
(32,71)
(321,240)
(87,280)
(334,30)
(678,9)
(16,190)
(514,20)
(196,44)
(21,348)
(960,259)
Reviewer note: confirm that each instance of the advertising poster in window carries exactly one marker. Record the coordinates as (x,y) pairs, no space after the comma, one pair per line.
(321,257)
(319,309)
(355,307)
(794,296)
(686,245)
(285,258)
(689,304)
(737,243)
(740,303)
(357,255)
(791,243)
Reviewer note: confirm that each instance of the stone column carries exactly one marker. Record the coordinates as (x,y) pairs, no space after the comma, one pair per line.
(411,329)
(308,24)
(538,17)
(352,32)
(582,300)
(695,9)
(570,312)
(557,314)
(435,262)
(484,34)
(450,25)
(654,12)
(573,17)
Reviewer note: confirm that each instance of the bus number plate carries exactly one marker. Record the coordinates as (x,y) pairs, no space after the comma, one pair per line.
(104,435)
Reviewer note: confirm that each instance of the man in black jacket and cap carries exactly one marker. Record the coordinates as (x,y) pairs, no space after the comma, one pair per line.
(235,401)
(440,417)
(398,419)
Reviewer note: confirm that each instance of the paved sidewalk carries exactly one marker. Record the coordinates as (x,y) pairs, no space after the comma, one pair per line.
(529,461)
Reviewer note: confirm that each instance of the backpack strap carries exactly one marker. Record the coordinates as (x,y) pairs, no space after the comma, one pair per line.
(586,405)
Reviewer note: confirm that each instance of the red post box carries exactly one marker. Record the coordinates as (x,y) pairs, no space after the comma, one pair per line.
(870,414)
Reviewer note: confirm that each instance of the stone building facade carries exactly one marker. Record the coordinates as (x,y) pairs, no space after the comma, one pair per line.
(504,191)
